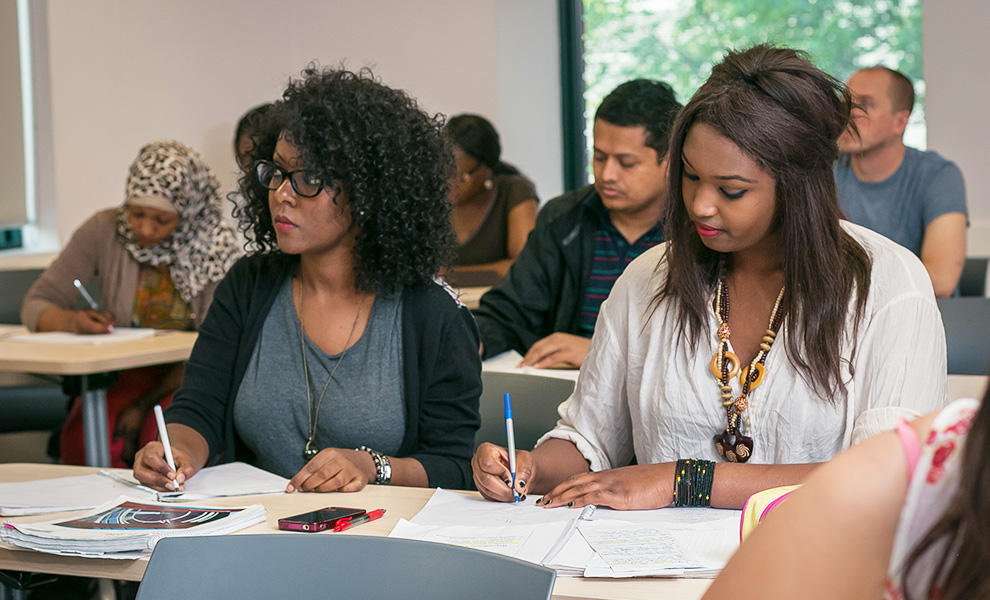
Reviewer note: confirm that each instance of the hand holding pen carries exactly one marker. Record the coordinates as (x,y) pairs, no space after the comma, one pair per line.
(163,434)
(91,320)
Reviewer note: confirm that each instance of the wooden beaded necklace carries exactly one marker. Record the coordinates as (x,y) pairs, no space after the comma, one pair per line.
(732,445)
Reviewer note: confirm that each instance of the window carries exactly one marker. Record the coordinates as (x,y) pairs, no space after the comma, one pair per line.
(678,41)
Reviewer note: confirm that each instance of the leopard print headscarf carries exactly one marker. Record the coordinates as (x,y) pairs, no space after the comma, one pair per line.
(203,247)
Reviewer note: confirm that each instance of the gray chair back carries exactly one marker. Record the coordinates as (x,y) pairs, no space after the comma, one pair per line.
(534,406)
(973,281)
(328,565)
(967,334)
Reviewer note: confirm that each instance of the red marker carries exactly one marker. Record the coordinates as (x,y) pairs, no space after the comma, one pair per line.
(344,524)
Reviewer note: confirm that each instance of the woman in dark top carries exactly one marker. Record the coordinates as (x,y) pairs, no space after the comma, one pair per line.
(332,355)
(494,204)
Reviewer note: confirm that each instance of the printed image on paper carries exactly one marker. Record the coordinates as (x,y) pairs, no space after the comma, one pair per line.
(134,515)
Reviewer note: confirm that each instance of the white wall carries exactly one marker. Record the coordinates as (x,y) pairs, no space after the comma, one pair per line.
(125,72)
(957,91)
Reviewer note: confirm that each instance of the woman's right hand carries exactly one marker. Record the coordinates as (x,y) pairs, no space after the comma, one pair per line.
(91,321)
(151,469)
(490,467)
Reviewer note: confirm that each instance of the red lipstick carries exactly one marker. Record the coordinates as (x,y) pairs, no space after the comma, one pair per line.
(706,231)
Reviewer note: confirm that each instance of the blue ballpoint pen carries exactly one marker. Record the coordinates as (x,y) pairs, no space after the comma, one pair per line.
(511,436)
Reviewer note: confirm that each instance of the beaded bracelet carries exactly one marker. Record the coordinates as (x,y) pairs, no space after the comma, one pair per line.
(383,468)
(693,479)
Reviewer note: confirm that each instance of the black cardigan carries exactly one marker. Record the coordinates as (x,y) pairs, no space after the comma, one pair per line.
(542,292)
(441,370)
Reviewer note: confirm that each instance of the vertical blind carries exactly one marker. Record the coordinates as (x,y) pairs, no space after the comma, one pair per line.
(13,192)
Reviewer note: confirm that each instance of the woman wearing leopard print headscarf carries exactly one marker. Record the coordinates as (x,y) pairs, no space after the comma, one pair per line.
(158,259)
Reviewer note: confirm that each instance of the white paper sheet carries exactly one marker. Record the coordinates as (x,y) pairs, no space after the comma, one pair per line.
(525,542)
(88,491)
(661,549)
(506,363)
(230,479)
(119,334)
(451,508)
(670,542)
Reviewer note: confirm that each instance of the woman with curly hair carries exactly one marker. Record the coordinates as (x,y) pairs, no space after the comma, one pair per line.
(332,354)
(765,336)
(158,259)
(494,204)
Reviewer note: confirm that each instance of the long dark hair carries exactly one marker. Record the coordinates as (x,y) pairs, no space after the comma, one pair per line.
(392,160)
(477,137)
(964,528)
(787,116)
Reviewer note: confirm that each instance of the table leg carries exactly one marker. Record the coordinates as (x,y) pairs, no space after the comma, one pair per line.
(95,427)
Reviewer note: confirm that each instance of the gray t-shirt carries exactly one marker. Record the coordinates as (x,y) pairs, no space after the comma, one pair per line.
(363,403)
(900,207)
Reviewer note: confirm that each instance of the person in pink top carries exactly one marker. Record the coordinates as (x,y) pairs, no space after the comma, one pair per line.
(904,515)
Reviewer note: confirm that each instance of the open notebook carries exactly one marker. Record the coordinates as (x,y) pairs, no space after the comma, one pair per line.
(127,528)
(88,491)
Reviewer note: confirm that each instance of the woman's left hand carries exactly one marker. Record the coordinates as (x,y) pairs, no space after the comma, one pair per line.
(334,470)
(639,487)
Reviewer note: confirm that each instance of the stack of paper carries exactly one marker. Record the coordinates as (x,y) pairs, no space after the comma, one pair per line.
(127,528)
(684,542)
(88,491)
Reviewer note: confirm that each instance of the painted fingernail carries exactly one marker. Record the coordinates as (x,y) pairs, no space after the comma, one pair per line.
(546,500)
(538,500)
(522,498)
(570,504)
(508,482)
(522,484)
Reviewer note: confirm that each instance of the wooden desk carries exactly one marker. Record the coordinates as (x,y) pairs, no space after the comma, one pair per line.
(399,502)
(86,361)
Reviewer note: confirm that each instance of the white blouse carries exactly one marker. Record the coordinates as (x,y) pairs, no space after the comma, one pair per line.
(644,391)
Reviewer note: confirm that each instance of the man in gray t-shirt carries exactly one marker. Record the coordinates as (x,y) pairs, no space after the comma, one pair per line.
(915,198)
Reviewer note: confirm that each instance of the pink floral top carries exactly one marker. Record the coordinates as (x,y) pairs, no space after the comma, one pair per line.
(933,485)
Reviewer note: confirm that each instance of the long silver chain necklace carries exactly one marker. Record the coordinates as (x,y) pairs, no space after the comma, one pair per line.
(310,450)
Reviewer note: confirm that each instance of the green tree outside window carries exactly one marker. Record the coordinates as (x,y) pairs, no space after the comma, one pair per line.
(678,41)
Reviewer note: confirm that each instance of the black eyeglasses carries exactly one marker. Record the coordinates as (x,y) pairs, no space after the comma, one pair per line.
(272,176)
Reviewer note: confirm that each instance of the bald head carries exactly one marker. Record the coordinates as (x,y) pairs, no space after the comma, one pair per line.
(900,90)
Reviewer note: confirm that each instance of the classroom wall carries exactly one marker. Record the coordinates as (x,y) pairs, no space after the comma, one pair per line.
(123,73)
(957,92)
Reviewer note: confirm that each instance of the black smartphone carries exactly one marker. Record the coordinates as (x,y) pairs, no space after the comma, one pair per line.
(318,520)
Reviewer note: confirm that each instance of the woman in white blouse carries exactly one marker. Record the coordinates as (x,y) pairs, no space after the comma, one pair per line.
(833,330)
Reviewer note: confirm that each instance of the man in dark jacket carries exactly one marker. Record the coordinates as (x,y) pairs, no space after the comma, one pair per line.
(546,306)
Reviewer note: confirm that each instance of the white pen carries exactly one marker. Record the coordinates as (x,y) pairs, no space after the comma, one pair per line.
(163,433)
(85,294)
(510,435)
(88,298)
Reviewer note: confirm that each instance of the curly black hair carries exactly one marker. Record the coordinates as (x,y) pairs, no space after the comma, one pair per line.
(391,159)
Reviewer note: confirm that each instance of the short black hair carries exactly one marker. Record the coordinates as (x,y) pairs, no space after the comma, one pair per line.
(477,137)
(254,123)
(645,103)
